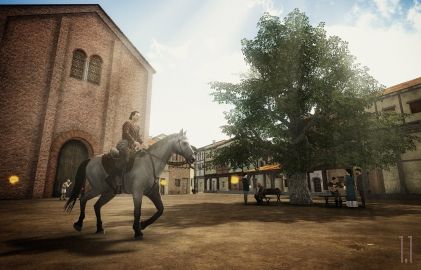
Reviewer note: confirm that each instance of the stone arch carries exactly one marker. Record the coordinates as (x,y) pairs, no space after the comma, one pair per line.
(88,141)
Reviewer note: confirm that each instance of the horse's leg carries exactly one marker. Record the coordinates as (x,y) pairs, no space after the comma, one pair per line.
(83,200)
(155,197)
(137,201)
(105,197)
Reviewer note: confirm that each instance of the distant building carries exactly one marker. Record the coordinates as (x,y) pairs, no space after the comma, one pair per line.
(405,177)
(175,179)
(209,178)
(69,78)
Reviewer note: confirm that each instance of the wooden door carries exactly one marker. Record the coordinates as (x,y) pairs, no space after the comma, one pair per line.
(184,186)
(72,153)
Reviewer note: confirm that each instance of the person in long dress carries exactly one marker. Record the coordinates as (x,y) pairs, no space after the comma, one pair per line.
(351,197)
(360,186)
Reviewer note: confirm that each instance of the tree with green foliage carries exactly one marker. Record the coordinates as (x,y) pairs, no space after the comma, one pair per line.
(307,104)
(238,154)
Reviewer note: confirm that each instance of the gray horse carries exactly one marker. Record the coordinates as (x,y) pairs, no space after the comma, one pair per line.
(141,180)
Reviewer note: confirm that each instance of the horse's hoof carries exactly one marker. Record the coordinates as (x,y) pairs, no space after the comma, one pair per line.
(138,235)
(100,231)
(77,227)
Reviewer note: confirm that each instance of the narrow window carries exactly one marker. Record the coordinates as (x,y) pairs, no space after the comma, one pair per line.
(177,182)
(95,68)
(78,64)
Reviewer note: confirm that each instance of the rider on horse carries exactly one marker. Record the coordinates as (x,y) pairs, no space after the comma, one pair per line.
(130,143)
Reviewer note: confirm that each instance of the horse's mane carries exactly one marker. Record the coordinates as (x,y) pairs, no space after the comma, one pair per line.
(157,144)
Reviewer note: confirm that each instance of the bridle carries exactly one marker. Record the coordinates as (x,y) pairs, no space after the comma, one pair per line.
(167,162)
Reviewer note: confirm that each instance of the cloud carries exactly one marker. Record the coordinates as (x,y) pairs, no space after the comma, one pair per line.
(414,16)
(267,6)
(387,7)
(207,49)
(166,57)
(389,50)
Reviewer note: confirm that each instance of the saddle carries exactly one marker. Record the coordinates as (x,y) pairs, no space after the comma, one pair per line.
(110,159)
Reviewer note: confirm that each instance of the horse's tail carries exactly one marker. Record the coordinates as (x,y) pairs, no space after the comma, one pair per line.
(80,180)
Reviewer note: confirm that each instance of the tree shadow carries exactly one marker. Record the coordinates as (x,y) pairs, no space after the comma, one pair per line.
(212,214)
(78,244)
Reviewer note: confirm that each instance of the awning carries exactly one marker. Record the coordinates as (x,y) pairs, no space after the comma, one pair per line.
(270,167)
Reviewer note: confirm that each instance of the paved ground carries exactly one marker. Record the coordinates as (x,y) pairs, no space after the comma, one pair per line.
(210,231)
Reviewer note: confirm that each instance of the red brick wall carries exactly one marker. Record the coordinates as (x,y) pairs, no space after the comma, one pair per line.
(24,78)
(81,103)
(41,106)
(127,93)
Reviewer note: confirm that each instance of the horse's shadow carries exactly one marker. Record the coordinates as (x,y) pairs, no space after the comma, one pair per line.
(78,244)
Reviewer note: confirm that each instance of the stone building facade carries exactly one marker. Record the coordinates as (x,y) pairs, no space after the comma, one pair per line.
(209,178)
(180,178)
(405,177)
(69,78)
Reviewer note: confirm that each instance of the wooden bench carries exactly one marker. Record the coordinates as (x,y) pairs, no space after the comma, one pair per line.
(276,192)
(327,196)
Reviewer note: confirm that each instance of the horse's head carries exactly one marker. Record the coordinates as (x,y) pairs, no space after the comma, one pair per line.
(183,148)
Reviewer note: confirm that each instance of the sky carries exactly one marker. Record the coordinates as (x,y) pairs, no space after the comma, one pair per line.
(191,43)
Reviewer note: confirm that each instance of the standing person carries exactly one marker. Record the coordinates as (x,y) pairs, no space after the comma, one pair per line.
(64,188)
(130,143)
(360,186)
(351,197)
(334,187)
(246,187)
(259,194)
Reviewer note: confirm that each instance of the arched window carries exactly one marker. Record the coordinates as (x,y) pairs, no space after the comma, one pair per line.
(94,71)
(78,64)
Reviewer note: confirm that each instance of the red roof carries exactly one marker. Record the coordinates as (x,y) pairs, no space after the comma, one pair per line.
(402,86)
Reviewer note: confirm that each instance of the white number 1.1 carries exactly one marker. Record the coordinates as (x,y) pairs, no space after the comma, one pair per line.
(410,249)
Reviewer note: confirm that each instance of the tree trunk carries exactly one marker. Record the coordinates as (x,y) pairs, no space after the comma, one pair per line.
(298,189)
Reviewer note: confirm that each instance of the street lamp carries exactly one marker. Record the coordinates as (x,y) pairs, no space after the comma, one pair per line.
(235,179)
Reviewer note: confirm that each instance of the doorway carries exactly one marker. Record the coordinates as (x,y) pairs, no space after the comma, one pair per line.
(71,154)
